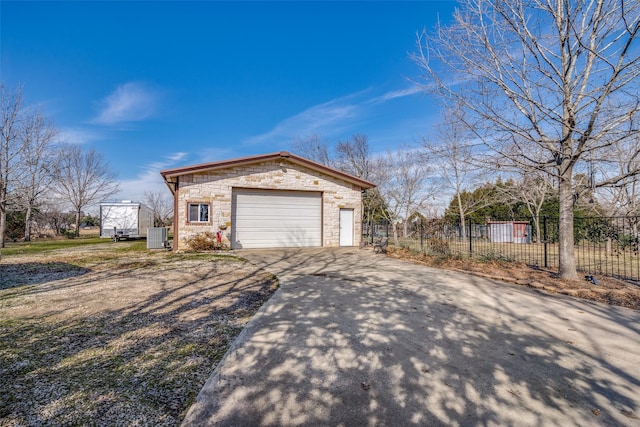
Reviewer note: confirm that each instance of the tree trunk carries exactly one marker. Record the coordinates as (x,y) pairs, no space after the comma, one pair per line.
(567,258)
(56,226)
(3,226)
(77,232)
(27,224)
(405,228)
(463,225)
(395,234)
(536,224)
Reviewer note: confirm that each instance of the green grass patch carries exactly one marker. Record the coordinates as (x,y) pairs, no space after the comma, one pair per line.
(39,246)
(132,246)
(492,256)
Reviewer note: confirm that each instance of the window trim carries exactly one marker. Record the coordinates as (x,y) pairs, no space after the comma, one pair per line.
(199,203)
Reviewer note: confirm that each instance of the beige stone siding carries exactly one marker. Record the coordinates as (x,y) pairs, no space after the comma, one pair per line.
(215,187)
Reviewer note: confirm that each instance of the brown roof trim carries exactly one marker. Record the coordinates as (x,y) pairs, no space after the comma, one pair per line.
(170,173)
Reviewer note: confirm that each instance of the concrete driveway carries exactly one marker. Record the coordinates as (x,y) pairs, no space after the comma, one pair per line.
(352,338)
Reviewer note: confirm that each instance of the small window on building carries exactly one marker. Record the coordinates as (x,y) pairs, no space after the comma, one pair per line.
(198,212)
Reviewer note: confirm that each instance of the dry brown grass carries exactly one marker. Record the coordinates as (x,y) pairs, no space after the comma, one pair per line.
(111,336)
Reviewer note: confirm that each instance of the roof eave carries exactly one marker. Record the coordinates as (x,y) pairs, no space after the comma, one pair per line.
(171,173)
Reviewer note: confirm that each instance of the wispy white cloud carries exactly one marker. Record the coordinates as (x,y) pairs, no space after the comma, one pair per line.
(78,136)
(130,102)
(323,118)
(173,158)
(329,118)
(213,154)
(397,94)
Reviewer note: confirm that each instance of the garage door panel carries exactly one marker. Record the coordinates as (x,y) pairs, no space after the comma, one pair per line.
(271,219)
(285,213)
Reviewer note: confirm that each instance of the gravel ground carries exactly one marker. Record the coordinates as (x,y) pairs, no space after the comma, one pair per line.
(110,335)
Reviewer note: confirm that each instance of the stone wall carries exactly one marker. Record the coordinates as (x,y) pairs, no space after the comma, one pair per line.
(215,188)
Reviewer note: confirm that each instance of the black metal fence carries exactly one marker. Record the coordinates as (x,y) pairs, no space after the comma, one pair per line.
(606,246)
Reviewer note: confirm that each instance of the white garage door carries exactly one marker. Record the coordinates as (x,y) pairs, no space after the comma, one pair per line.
(276,219)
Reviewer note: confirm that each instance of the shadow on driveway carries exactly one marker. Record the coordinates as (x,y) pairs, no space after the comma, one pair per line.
(352,338)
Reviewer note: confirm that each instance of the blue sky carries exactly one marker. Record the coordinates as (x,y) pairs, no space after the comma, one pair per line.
(156,85)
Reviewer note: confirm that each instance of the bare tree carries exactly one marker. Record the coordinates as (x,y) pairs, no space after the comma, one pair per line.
(162,206)
(312,148)
(52,214)
(38,162)
(451,153)
(12,114)
(546,84)
(403,184)
(354,156)
(84,178)
(622,199)
(532,189)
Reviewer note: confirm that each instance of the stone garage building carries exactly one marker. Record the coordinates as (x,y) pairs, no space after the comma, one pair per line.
(267,201)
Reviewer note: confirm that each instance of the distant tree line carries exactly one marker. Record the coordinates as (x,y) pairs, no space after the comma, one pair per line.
(410,179)
(45,183)
(542,93)
(41,177)
(402,180)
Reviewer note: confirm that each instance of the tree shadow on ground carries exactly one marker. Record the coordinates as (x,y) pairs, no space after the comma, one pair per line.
(354,340)
(36,273)
(83,359)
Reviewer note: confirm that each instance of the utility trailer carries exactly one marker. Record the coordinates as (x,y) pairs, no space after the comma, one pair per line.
(124,220)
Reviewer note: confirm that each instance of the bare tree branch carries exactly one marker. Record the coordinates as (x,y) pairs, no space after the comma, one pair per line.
(403,184)
(544,84)
(84,178)
(451,151)
(312,148)
(38,161)
(354,156)
(161,204)
(12,115)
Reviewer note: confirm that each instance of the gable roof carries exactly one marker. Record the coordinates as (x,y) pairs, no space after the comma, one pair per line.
(169,175)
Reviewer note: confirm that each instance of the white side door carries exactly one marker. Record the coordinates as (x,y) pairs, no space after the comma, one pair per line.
(346,227)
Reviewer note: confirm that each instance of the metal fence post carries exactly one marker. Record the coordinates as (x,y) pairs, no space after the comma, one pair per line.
(371,229)
(470,242)
(546,253)
(599,239)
